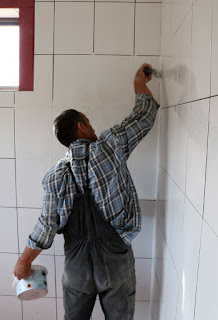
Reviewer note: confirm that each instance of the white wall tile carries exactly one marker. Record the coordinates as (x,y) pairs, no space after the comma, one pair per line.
(44,20)
(6,99)
(147,42)
(42,94)
(176,237)
(8,262)
(31,128)
(190,252)
(59,267)
(197,148)
(206,302)
(154,84)
(8,240)
(30,173)
(143,279)
(148,207)
(48,263)
(114,28)
(181,140)
(59,244)
(60,309)
(6,133)
(71,18)
(112,91)
(201,49)
(42,309)
(142,244)
(211,200)
(27,219)
(214,61)
(10,308)
(72,81)
(144,159)
(7,184)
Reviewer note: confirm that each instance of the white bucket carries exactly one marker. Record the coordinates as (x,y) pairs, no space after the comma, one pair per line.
(35,286)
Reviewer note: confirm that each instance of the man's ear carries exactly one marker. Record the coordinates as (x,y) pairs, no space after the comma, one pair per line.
(81,126)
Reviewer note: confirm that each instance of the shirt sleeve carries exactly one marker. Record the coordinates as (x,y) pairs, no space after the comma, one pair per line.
(47,225)
(135,127)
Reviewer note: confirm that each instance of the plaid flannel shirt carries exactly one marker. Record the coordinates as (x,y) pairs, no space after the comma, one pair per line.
(109,178)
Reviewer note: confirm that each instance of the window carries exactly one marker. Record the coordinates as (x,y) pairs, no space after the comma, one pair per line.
(17,44)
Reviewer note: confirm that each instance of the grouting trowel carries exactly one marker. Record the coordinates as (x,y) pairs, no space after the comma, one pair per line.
(157,73)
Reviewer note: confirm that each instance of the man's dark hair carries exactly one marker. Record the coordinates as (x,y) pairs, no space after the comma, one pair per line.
(65,126)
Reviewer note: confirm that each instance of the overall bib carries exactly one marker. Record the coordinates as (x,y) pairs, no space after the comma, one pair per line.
(97,261)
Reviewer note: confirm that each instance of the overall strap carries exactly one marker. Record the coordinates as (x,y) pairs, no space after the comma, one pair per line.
(76,185)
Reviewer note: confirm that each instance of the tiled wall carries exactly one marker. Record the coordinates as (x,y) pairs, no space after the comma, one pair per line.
(86,56)
(184,274)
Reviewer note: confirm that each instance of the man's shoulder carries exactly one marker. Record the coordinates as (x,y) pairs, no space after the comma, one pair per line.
(54,178)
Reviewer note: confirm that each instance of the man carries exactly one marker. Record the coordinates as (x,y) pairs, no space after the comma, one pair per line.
(91,199)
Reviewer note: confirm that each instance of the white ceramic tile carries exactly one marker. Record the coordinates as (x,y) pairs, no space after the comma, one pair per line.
(8,240)
(48,263)
(41,309)
(179,309)
(114,28)
(7,184)
(6,133)
(59,262)
(44,19)
(167,140)
(71,17)
(211,200)
(33,133)
(60,150)
(27,219)
(44,0)
(143,279)
(147,42)
(201,49)
(214,61)
(30,173)
(112,94)
(142,244)
(154,84)
(176,237)
(144,159)
(178,11)
(10,308)
(8,262)
(148,207)
(165,26)
(171,291)
(60,309)
(6,99)
(181,140)
(97,313)
(72,81)
(59,245)
(182,52)
(206,302)
(161,195)
(42,94)
(197,148)
(191,245)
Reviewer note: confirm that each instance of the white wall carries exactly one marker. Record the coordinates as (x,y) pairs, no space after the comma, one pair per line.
(86,56)
(184,284)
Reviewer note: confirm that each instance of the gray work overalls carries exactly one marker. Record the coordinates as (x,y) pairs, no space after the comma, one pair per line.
(97,261)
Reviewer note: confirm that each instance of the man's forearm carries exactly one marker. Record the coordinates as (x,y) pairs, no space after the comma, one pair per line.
(23,266)
(141,87)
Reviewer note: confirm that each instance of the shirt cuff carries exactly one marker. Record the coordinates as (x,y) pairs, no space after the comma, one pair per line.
(31,244)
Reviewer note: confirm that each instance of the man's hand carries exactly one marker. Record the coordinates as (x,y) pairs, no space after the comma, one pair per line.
(22,269)
(141,79)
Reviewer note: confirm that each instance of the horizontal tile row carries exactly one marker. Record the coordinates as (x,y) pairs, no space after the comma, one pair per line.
(55,267)
(97,22)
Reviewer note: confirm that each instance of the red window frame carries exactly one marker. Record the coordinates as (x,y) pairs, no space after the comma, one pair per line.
(26,24)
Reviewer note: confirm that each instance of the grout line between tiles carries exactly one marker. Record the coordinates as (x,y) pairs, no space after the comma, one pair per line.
(191,101)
